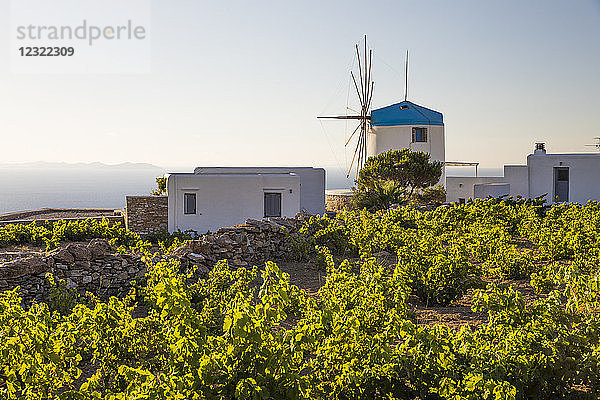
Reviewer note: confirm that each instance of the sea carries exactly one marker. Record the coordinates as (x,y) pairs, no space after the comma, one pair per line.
(30,187)
(56,185)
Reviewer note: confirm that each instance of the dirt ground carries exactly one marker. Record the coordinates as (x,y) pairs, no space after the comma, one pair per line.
(56,213)
(310,278)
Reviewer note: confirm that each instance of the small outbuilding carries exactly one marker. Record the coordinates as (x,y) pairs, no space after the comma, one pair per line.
(565,177)
(213,197)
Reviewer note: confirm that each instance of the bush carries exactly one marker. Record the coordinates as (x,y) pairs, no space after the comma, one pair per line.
(61,298)
(437,273)
(508,262)
(430,195)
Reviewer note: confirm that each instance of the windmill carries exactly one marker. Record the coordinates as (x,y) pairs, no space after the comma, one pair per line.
(364,90)
(597,144)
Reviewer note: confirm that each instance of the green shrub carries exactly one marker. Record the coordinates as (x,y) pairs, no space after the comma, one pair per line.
(437,273)
(60,297)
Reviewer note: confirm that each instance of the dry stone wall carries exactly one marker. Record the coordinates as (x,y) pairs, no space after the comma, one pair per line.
(146,214)
(244,245)
(338,202)
(95,267)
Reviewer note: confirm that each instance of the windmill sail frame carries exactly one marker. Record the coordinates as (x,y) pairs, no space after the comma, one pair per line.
(364,90)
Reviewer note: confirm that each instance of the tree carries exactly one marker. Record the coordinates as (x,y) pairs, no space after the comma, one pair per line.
(394,177)
(161,187)
(431,194)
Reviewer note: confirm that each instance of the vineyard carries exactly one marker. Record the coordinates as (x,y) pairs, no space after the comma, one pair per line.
(248,333)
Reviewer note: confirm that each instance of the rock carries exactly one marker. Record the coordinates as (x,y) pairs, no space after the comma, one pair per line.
(199,247)
(49,261)
(79,252)
(70,284)
(62,256)
(87,279)
(254,222)
(99,247)
(179,252)
(123,276)
(196,258)
(83,264)
(224,240)
(22,267)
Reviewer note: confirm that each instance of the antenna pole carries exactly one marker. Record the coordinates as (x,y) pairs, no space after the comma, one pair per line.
(406,77)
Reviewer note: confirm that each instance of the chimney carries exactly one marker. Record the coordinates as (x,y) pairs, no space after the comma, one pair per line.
(540,148)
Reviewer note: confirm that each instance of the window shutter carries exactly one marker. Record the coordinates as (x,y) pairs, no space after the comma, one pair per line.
(272,202)
(189,203)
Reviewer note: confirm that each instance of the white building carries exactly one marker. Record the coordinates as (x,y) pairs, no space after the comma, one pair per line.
(573,177)
(407,125)
(213,197)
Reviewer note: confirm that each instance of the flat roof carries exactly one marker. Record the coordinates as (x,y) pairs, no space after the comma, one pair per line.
(216,175)
(233,170)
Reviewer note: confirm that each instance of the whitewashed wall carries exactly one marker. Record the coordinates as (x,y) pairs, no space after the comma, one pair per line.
(228,199)
(584,175)
(518,178)
(462,187)
(384,138)
(312,182)
(485,190)
(537,178)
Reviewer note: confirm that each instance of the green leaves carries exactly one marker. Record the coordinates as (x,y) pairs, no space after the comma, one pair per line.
(248,333)
(392,178)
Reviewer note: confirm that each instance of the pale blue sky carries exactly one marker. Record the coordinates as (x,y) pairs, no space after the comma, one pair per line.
(241,83)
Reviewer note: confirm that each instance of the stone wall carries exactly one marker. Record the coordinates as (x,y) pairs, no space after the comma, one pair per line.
(146,214)
(338,202)
(96,268)
(93,267)
(247,244)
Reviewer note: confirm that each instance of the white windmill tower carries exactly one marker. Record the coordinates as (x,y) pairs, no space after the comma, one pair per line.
(394,127)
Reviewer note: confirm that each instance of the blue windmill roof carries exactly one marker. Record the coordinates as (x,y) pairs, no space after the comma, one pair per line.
(405,113)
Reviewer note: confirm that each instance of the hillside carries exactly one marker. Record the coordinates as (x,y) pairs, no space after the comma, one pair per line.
(491,299)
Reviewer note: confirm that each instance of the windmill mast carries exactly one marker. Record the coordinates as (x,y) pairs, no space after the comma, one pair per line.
(406,78)
(364,91)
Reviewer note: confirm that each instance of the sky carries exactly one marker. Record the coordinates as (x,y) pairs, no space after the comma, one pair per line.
(242,83)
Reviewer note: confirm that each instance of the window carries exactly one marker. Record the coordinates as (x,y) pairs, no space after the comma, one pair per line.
(272,204)
(562,174)
(419,135)
(189,203)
